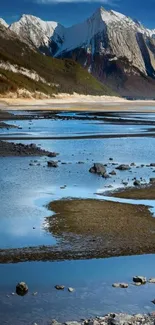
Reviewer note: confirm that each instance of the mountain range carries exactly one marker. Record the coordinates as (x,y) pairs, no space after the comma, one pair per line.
(115,49)
(25,72)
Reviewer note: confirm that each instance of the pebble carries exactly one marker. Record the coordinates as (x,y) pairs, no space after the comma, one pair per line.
(120,285)
(59,287)
(71,289)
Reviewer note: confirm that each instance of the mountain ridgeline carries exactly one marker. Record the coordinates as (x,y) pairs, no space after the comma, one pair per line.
(115,49)
(24,71)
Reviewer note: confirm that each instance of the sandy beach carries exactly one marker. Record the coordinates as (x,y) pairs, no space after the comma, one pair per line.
(76,102)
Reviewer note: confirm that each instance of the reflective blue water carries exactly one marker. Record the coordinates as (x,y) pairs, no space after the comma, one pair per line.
(93,296)
(24,193)
(25,190)
(58,128)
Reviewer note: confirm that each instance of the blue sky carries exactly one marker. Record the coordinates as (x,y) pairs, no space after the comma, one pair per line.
(69,12)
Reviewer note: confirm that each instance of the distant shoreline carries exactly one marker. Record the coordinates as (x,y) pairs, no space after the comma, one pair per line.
(76,103)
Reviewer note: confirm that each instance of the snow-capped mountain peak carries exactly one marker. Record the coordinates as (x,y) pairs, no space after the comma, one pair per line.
(38,32)
(3,22)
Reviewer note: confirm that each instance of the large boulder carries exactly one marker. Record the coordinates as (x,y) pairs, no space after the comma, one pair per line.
(98,169)
(21,289)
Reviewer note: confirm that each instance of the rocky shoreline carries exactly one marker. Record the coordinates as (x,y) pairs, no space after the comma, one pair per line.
(18,149)
(115,319)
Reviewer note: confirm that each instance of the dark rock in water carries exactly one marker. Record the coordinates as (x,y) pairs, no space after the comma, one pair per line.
(110,159)
(123,167)
(80,162)
(59,287)
(153,301)
(152,180)
(137,183)
(52,154)
(21,289)
(98,169)
(125,183)
(106,175)
(133,164)
(120,285)
(113,172)
(152,165)
(52,164)
(140,279)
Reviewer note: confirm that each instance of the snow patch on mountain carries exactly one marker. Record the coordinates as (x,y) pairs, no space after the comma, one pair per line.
(3,22)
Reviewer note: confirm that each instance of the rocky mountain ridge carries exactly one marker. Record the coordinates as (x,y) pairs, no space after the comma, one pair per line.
(116,49)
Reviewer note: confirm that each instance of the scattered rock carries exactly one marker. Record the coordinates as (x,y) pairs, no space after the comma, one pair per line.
(52,164)
(125,183)
(152,165)
(152,280)
(136,183)
(120,285)
(106,175)
(72,323)
(52,154)
(132,164)
(112,173)
(80,162)
(59,287)
(21,289)
(123,167)
(140,279)
(115,319)
(137,284)
(98,169)
(71,289)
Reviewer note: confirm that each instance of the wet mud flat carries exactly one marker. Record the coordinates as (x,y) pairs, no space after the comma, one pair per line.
(91,228)
(119,117)
(146,192)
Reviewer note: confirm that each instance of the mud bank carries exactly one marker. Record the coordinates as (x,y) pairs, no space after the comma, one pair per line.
(18,149)
(141,193)
(87,229)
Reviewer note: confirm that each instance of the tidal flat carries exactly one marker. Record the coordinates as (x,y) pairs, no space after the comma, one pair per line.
(58,225)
